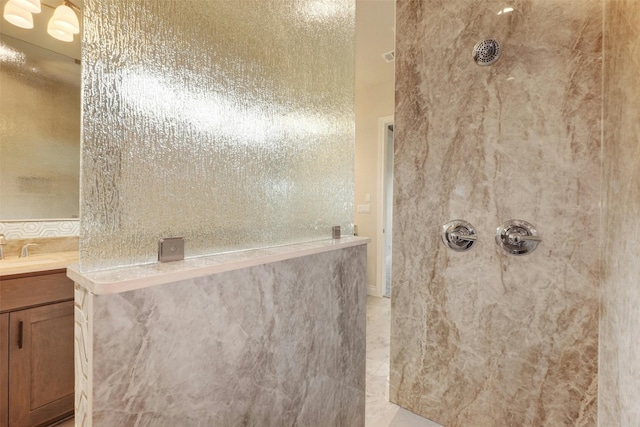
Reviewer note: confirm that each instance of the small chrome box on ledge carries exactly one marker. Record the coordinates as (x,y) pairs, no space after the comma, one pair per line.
(335,232)
(171,249)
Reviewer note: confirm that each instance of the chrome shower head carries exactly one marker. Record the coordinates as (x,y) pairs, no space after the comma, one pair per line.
(486,52)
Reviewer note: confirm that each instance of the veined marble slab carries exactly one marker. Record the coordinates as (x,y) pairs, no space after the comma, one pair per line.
(483,338)
(276,344)
(619,367)
(130,278)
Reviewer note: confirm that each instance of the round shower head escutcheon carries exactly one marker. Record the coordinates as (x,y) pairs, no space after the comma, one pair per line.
(486,52)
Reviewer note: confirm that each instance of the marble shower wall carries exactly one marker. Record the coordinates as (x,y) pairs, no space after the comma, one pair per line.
(620,290)
(280,344)
(482,338)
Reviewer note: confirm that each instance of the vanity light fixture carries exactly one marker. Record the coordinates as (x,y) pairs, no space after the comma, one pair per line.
(31,6)
(65,18)
(62,25)
(18,16)
(58,33)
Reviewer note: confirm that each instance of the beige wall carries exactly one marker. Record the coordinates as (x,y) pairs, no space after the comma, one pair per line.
(483,338)
(371,104)
(619,379)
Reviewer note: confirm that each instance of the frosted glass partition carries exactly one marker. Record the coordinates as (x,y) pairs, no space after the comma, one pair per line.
(227,122)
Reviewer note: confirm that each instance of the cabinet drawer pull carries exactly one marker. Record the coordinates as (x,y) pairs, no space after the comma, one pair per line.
(20,334)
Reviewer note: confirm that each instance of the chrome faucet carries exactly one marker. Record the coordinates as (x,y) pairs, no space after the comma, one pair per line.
(3,241)
(25,249)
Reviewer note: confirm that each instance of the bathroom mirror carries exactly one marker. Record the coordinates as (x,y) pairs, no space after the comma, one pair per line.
(39,123)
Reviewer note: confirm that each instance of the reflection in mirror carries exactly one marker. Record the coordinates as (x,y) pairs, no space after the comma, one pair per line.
(39,113)
(39,132)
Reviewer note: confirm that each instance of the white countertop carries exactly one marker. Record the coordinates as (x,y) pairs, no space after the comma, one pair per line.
(36,263)
(125,279)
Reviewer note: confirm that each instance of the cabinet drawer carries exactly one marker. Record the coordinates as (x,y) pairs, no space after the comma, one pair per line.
(31,290)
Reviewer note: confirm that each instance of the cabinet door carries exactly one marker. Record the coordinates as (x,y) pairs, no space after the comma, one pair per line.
(41,380)
(4,370)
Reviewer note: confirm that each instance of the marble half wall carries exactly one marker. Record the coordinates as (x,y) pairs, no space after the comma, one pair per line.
(619,383)
(278,344)
(483,338)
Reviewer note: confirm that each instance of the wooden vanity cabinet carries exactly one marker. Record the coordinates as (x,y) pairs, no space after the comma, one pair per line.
(4,370)
(36,349)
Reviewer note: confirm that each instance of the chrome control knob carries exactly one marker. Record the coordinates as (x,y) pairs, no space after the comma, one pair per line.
(517,237)
(458,235)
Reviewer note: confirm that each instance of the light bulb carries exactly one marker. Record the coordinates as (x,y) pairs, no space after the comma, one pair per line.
(58,33)
(32,6)
(18,16)
(65,18)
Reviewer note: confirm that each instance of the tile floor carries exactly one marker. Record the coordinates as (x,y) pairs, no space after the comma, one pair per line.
(379,412)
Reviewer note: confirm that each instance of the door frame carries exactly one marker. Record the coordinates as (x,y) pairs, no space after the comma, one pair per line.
(383,123)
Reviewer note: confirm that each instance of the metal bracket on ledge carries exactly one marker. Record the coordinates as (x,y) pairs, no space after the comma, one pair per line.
(171,249)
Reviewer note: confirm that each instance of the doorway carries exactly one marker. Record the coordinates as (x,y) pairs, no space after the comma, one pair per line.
(385,197)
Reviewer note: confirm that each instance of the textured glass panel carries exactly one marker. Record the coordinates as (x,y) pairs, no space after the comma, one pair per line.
(229,122)
(39,132)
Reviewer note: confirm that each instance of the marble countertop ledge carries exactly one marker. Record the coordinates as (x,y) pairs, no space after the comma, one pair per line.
(37,263)
(107,282)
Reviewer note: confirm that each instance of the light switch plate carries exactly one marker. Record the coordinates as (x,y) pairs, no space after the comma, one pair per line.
(171,249)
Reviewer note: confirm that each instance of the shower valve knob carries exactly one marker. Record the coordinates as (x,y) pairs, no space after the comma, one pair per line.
(517,237)
(458,235)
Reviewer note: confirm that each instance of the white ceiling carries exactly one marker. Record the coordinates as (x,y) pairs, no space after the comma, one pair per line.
(375,21)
